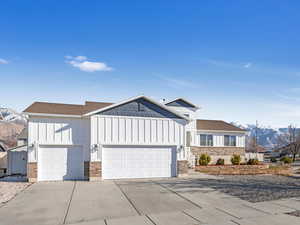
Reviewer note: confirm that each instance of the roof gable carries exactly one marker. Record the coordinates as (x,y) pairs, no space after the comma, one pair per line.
(217,125)
(147,104)
(180,102)
(140,108)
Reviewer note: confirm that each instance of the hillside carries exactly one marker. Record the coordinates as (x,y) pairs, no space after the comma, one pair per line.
(11,124)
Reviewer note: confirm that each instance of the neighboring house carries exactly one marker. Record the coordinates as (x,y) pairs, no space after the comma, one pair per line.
(135,138)
(217,139)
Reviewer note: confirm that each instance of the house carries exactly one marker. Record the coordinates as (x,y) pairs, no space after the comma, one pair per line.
(135,138)
(217,139)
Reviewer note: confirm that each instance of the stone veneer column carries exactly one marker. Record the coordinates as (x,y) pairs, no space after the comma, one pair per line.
(95,171)
(182,167)
(32,171)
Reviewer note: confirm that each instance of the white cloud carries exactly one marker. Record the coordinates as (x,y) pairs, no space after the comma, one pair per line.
(178,83)
(80,58)
(3,61)
(85,65)
(248,65)
(228,64)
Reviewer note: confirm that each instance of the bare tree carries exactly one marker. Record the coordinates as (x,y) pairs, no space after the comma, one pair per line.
(289,142)
(251,145)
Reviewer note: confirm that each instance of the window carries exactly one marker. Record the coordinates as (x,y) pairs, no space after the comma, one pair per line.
(206,140)
(229,140)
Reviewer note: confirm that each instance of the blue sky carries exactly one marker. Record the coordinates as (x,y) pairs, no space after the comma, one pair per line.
(238,60)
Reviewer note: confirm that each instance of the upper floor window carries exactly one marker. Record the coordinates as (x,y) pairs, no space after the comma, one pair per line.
(229,140)
(206,140)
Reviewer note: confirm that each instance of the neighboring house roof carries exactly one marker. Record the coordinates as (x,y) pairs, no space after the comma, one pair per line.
(181,102)
(217,125)
(24,134)
(89,108)
(65,109)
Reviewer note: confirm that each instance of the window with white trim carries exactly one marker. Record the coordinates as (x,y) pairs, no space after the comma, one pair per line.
(229,140)
(206,140)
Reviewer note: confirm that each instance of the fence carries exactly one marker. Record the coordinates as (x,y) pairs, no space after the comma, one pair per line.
(250,155)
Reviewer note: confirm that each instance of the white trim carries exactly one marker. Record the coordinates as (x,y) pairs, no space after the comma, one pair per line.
(197,107)
(140,117)
(221,131)
(139,145)
(52,115)
(53,144)
(135,98)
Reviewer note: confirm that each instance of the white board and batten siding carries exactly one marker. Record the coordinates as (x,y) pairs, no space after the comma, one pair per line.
(133,131)
(218,138)
(58,132)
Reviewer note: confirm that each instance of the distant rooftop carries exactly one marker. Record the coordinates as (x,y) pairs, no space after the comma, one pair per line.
(217,125)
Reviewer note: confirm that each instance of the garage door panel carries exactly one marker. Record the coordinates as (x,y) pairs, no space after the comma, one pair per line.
(138,162)
(60,163)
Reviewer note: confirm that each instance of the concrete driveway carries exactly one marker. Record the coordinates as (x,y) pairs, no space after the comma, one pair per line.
(165,201)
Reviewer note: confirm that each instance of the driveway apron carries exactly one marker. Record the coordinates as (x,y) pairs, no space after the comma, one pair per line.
(40,204)
(98,200)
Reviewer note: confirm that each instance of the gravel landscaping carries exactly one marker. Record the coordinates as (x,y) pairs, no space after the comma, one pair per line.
(256,188)
(10,189)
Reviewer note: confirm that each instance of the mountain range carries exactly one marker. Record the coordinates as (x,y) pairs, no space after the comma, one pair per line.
(11,124)
(266,136)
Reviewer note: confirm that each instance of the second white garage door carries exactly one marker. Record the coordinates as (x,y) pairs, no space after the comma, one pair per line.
(60,163)
(138,162)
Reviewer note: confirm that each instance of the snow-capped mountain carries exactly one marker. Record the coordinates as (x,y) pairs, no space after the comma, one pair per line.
(267,136)
(10,116)
(11,125)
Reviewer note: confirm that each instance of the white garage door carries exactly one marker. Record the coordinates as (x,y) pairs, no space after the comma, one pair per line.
(60,163)
(138,162)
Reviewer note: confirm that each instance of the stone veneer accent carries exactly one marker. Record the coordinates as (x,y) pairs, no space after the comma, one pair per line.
(182,167)
(216,151)
(95,171)
(32,171)
(245,170)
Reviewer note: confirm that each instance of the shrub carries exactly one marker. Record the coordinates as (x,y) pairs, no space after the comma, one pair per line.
(220,162)
(253,162)
(204,160)
(273,159)
(286,160)
(236,159)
